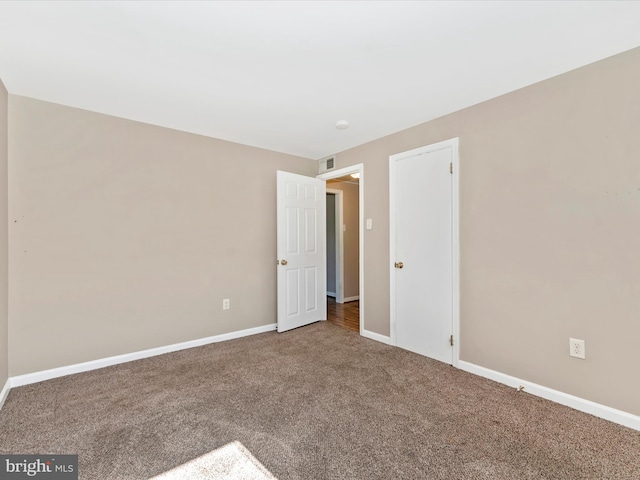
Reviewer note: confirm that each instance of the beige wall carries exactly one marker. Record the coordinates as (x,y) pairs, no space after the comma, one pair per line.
(351,236)
(126,236)
(4,264)
(549,229)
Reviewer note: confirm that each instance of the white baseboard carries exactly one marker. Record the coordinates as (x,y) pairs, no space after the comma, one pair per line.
(587,406)
(331,294)
(350,299)
(376,336)
(5,392)
(128,357)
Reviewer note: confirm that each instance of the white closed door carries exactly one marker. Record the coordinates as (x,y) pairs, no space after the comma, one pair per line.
(301,263)
(422,250)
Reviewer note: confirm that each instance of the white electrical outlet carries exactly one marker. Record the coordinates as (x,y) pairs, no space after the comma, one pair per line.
(576,348)
(226,305)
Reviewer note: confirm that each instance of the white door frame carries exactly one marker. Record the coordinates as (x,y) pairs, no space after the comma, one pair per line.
(359,168)
(451,143)
(339,244)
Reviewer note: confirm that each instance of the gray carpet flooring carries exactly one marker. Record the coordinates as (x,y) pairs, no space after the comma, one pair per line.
(318,402)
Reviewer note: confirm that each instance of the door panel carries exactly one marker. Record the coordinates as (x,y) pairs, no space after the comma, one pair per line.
(301,204)
(311,290)
(310,227)
(424,244)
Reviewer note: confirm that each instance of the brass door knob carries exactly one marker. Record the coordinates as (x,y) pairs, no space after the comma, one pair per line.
(399,264)
(283,262)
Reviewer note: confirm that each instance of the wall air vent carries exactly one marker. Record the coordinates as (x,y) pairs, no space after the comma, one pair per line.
(326,164)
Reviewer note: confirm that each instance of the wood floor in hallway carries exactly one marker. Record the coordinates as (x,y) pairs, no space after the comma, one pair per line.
(346,315)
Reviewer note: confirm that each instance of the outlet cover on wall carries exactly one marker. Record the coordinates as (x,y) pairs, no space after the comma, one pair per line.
(577,348)
(226,304)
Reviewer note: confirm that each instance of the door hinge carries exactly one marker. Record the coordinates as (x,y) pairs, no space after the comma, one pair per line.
(451,340)
(451,168)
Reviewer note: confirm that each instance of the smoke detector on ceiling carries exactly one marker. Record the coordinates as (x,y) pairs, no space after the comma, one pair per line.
(342,124)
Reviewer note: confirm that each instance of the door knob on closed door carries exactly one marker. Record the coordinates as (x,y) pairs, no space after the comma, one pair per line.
(399,264)
(283,262)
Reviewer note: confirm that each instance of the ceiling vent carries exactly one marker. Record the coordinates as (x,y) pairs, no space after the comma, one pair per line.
(326,164)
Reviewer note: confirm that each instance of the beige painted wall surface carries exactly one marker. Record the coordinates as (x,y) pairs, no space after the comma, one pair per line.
(4,238)
(549,229)
(126,236)
(351,237)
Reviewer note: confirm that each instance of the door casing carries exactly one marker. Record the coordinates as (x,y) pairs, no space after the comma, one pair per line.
(358,168)
(339,233)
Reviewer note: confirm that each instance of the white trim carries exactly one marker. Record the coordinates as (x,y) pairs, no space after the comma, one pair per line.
(339,234)
(361,246)
(5,392)
(377,337)
(586,406)
(392,249)
(455,207)
(359,168)
(35,377)
(331,294)
(455,213)
(351,299)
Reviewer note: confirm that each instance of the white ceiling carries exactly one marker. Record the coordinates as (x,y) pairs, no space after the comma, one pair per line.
(278,75)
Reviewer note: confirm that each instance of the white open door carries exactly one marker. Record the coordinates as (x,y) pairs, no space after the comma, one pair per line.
(301,225)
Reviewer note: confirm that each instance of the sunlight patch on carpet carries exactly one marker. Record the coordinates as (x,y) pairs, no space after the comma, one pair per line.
(231,461)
